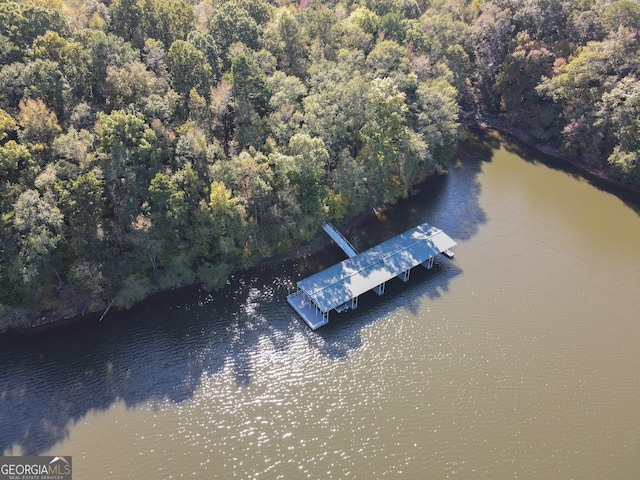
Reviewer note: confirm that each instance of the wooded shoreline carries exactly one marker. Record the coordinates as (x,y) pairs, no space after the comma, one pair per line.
(149,145)
(49,320)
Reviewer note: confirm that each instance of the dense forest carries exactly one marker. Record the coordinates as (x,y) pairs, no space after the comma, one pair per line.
(149,144)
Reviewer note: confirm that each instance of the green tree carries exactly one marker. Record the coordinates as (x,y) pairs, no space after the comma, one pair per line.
(259,10)
(491,33)
(585,26)
(230,23)
(220,107)
(82,203)
(21,22)
(166,20)
(624,13)
(9,51)
(620,115)
(207,45)
(286,204)
(193,149)
(309,175)
(220,235)
(251,177)
(50,46)
(12,156)
(381,137)
(393,26)
(11,85)
(625,165)
(355,33)
(437,121)
(285,104)
(544,20)
(174,202)
(578,86)
(155,55)
(517,78)
(189,68)
(7,126)
(319,25)
(460,66)
(386,58)
(367,20)
(348,195)
(169,206)
(39,225)
(335,107)
(67,63)
(126,20)
(250,97)
(100,51)
(44,80)
(444,28)
(228,216)
(288,44)
(128,150)
(16,163)
(74,146)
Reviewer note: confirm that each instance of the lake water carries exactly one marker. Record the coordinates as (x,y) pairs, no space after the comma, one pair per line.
(518,359)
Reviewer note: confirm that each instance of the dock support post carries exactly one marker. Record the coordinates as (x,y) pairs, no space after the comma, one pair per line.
(404,276)
(379,289)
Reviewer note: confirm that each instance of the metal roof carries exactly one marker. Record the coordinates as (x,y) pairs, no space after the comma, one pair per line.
(353,277)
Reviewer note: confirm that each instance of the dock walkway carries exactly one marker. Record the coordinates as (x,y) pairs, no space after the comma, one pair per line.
(340,239)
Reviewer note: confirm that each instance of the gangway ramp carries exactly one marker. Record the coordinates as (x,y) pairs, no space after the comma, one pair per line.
(340,240)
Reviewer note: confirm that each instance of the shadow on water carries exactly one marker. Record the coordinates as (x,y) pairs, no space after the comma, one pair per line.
(343,333)
(160,350)
(530,154)
(156,352)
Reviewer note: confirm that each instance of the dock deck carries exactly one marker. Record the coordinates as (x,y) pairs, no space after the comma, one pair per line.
(307,310)
(338,287)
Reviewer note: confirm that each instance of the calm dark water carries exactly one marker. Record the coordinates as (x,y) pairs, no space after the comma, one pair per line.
(519,359)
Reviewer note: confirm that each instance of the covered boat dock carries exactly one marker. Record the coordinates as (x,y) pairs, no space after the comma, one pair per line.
(338,287)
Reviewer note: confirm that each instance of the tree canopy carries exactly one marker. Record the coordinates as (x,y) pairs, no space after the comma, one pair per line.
(147,144)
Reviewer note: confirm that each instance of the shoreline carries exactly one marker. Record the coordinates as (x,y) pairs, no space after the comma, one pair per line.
(599,177)
(43,324)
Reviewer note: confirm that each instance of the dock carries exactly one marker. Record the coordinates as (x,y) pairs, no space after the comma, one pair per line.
(339,287)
